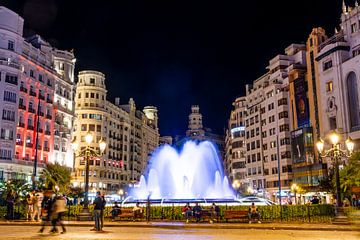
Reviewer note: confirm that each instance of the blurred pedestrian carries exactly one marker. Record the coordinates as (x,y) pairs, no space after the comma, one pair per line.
(10,199)
(59,207)
(98,205)
(47,207)
(102,212)
(30,207)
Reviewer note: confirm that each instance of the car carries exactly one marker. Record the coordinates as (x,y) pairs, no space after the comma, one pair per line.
(247,201)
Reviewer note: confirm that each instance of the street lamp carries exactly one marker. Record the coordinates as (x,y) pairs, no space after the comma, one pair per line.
(295,189)
(87,153)
(336,153)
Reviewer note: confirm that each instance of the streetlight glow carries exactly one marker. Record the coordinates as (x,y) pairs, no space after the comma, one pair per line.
(74,145)
(102,145)
(89,138)
(320,145)
(349,145)
(334,138)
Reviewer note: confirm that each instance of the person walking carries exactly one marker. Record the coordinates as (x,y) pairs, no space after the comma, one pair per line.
(47,207)
(10,199)
(98,206)
(59,207)
(37,205)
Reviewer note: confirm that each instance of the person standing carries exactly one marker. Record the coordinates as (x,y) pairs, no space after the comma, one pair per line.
(10,199)
(98,206)
(102,212)
(37,205)
(30,207)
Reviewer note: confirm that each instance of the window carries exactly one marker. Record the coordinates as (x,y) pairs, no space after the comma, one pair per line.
(282,101)
(40,78)
(284,127)
(5,154)
(83,127)
(9,96)
(353,27)
(11,45)
(7,134)
(87,95)
(91,127)
(92,81)
(79,95)
(329,86)
(272,144)
(283,114)
(92,95)
(327,65)
(32,73)
(11,79)
(332,123)
(271,106)
(8,115)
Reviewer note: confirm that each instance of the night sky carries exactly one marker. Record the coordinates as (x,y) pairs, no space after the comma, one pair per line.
(172,54)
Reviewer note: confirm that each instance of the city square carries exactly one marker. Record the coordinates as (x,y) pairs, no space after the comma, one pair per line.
(175,120)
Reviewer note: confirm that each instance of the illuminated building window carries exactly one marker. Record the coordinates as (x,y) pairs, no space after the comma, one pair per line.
(327,65)
(353,27)
(329,86)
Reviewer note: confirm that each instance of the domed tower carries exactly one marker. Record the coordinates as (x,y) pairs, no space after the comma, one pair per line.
(151,114)
(91,115)
(195,128)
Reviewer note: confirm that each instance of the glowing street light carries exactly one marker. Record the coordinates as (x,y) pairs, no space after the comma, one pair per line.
(336,153)
(295,188)
(87,153)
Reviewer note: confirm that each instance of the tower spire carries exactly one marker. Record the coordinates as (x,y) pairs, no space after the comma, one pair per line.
(344,8)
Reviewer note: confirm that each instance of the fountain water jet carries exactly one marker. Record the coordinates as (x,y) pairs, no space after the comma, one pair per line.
(196,172)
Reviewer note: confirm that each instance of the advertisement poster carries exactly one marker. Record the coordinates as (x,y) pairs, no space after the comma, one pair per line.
(302,104)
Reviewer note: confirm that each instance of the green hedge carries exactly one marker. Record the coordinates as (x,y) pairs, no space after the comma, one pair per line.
(287,213)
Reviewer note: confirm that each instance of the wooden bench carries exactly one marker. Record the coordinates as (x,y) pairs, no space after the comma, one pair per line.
(206,215)
(241,215)
(127,213)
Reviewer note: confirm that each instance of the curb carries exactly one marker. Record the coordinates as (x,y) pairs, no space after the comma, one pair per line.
(199,226)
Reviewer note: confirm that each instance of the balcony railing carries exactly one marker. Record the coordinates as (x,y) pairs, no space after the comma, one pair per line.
(47,133)
(21,124)
(31,110)
(42,97)
(46,149)
(30,145)
(22,89)
(23,107)
(40,130)
(41,114)
(48,116)
(56,148)
(19,143)
(32,93)
(30,127)
(49,100)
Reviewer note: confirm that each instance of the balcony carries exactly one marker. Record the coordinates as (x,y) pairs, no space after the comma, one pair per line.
(30,127)
(56,148)
(48,116)
(22,125)
(56,133)
(63,135)
(63,149)
(41,114)
(39,147)
(30,145)
(41,97)
(46,149)
(23,107)
(22,89)
(20,143)
(32,93)
(31,110)
(47,132)
(40,130)
(48,100)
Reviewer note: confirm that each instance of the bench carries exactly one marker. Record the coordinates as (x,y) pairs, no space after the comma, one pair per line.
(127,213)
(241,215)
(205,215)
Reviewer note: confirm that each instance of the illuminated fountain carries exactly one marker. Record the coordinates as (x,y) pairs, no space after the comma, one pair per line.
(194,173)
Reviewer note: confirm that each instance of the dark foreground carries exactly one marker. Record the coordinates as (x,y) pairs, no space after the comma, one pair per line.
(132,233)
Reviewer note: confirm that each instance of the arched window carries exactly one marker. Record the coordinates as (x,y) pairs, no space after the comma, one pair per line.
(353,99)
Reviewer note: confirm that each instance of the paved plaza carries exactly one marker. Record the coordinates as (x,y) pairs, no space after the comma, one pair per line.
(134,233)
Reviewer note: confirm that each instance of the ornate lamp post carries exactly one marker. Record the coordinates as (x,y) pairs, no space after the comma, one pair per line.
(87,153)
(335,152)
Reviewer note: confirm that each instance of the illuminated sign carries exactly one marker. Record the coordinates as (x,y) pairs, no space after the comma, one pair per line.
(238,129)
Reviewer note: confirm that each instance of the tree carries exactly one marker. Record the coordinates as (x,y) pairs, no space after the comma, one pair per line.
(350,174)
(18,188)
(55,175)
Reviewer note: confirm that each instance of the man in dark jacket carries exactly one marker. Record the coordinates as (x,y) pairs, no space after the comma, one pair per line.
(47,207)
(98,206)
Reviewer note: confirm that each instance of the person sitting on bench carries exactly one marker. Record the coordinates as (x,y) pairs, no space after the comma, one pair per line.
(197,212)
(253,213)
(187,212)
(116,210)
(137,210)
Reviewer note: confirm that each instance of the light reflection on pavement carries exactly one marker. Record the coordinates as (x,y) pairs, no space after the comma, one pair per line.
(132,233)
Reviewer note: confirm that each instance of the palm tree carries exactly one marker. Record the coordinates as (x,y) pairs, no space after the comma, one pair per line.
(56,177)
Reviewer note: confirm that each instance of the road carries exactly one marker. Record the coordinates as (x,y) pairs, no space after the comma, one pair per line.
(132,233)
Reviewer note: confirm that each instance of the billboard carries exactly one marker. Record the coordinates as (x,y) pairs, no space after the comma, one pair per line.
(302,103)
(297,146)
